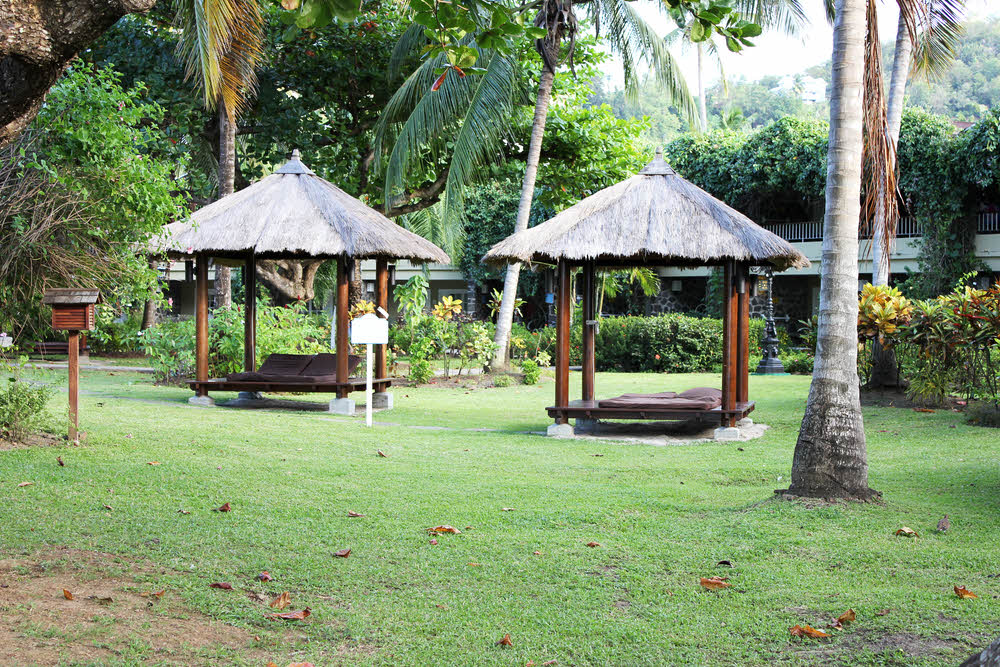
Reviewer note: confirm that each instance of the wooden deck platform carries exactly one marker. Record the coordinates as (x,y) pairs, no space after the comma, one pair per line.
(592,410)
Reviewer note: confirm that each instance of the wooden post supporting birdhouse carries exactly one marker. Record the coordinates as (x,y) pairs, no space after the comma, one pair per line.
(73,311)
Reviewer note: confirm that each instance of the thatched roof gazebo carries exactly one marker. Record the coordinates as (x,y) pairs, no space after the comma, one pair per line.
(654,218)
(291,214)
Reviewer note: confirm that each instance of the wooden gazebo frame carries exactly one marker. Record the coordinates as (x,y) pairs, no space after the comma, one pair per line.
(291,214)
(655,218)
(344,384)
(736,402)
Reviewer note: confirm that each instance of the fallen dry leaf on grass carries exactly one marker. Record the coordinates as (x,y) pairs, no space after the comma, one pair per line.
(714,583)
(505,641)
(724,563)
(965,593)
(538,553)
(433,542)
(25,484)
(67,594)
(847,617)
(882,612)
(149,594)
(807,631)
(281,601)
(506,509)
(60,461)
(107,507)
(343,553)
(906,531)
(292,615)
(183,512)
(352,513)
(444,529)
(263,576)
(549,662)
(221,584)
(382,454)
(223,508)
(474,565)
(593,544)
(922,410)
(152,463)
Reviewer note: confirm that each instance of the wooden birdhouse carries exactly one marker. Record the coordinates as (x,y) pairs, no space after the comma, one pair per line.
(72,309)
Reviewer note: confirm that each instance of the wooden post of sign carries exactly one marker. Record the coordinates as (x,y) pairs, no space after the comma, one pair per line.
(74,385)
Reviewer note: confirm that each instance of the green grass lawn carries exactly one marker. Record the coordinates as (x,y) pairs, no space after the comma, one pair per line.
(664,516)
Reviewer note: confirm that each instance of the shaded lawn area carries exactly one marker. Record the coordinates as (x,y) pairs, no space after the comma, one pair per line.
(664,517)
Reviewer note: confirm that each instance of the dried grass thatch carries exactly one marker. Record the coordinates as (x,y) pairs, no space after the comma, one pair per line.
(655,217)
(294,214)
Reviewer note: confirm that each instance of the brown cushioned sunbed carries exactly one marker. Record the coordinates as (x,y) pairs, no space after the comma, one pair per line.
(297,368)
(699,398)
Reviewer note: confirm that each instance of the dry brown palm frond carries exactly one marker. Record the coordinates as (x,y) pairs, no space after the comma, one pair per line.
(879,152)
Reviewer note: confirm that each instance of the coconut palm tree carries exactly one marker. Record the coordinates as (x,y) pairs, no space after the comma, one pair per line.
(830,457)
(221,45)
(419,124)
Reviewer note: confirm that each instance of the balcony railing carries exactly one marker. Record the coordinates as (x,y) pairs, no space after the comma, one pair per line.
(909,227)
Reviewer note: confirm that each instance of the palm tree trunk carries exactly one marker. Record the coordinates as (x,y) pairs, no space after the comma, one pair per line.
(885,370)
(227,175)
(702,109)
(830,459)
(505,318)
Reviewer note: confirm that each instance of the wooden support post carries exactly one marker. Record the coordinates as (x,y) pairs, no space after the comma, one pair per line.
(743,334)
(564,306)
(201,322)
(381,301)
(250,314)
(589,331)
(728,343)
(74,385)
(343,345)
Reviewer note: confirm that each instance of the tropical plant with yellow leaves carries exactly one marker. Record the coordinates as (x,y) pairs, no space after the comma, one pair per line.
(447,308)
(882,310)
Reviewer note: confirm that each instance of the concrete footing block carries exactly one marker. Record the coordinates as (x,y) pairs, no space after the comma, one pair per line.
(250,396)
(725,433)
(203,401)
(559,431)
(746,422)
(584,425)
(382,400)
(342,406)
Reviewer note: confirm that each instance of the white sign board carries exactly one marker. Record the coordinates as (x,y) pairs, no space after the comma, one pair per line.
(370,329)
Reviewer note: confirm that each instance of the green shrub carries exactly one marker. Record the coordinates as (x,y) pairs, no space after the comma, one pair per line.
(531,371)
(984,413)
(420,366)
(670,343)
(501,381)
(22,406)
(290,330)
(114,333)
(798,361)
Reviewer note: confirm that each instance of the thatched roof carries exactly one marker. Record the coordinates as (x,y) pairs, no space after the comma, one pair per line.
(655,217)
(293,213)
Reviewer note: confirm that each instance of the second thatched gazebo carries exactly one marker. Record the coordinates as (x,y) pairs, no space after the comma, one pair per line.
(291,214)
(655,218)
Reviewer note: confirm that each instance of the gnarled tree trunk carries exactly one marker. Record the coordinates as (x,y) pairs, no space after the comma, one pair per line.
(38,38)
(292,279)
(831,458)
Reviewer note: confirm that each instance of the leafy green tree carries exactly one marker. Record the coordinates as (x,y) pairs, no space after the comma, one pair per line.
(84,187)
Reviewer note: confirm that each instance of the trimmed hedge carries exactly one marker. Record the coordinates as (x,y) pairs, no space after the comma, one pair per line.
(670,343)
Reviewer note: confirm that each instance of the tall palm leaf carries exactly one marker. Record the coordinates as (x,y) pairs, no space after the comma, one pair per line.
(221,45)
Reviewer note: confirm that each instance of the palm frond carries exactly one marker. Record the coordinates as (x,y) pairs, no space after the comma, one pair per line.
(635,41)
(408,43)
(482,130)
(936,32)
(221,45)
(786,15)
(879,150)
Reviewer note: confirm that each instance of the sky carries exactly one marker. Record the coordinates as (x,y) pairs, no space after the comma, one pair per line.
(776,54)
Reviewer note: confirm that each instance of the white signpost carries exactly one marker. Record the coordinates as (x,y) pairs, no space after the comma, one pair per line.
(369,329)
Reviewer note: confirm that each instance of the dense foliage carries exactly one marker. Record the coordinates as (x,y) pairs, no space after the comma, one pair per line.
(170,345)
(86,185)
